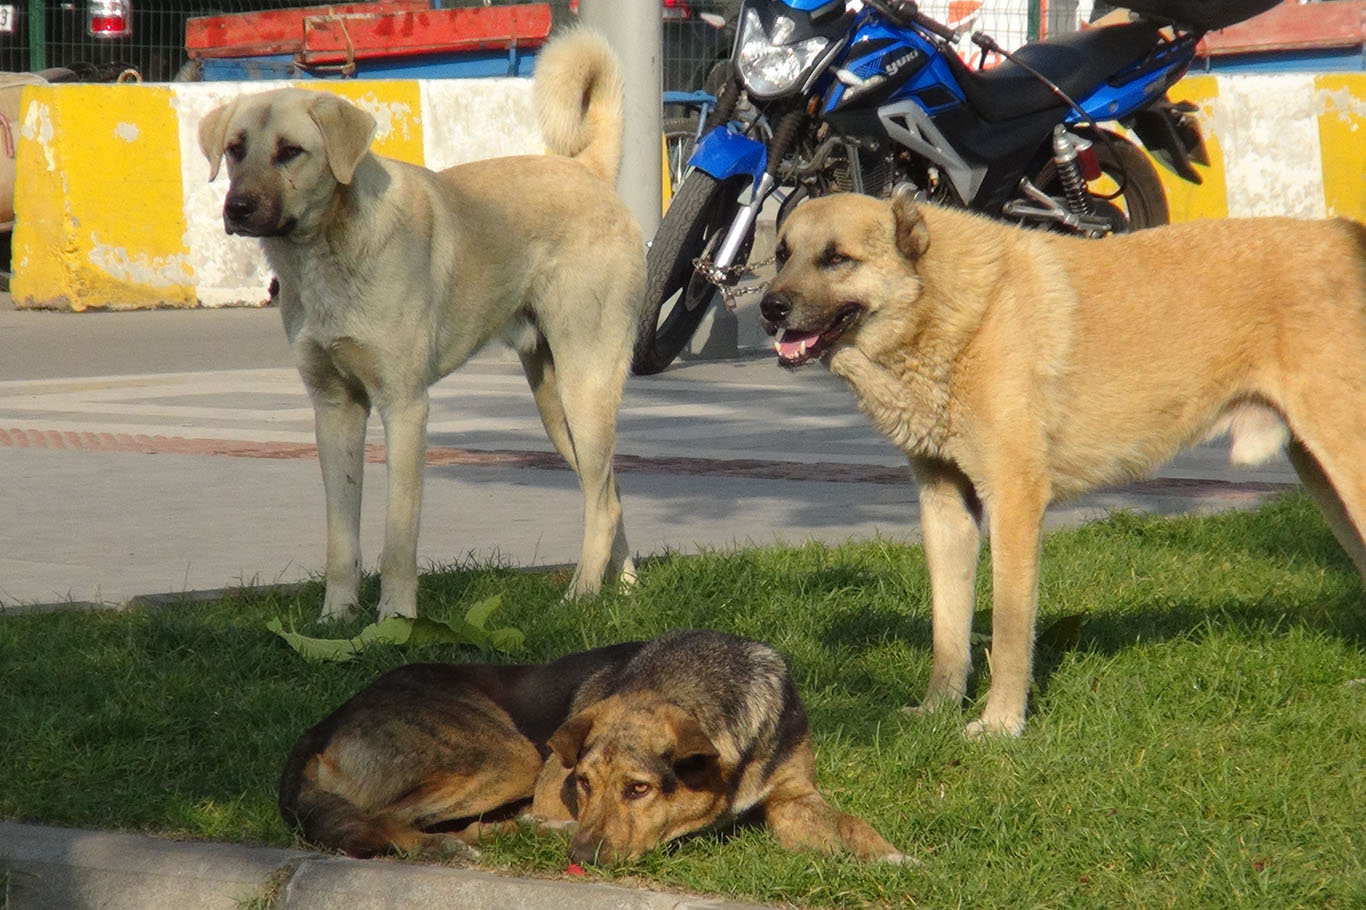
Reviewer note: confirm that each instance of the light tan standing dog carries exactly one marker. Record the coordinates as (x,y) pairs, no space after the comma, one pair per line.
(1016,367)
(391,276)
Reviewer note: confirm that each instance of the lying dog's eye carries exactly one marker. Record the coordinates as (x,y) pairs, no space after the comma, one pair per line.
(780,255)
(636,789)
(287,153)
(235,150)
(584,784)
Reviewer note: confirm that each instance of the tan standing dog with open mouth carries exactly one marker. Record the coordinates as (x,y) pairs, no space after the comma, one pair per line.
(391,276)
(1016,367)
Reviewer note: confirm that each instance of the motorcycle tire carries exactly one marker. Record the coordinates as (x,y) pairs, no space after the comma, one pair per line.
(1140,189)
(676,297)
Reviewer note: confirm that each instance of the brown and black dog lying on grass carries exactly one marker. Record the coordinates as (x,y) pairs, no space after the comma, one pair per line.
(637,743)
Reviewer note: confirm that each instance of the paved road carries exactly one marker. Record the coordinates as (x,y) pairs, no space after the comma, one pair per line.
(155,452)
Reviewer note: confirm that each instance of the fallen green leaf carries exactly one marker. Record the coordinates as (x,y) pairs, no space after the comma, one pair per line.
(398,630)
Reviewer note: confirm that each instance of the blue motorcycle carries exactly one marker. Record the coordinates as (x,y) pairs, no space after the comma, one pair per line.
(822,99)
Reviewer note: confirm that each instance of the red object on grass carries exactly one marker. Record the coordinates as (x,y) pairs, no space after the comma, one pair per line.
(575,869)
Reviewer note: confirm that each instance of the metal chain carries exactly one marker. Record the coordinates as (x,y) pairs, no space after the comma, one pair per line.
(726,277)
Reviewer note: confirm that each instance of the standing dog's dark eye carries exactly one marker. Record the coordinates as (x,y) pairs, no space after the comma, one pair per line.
(780,254)
(235,149)
(831,256)
(286,153)
(636,789)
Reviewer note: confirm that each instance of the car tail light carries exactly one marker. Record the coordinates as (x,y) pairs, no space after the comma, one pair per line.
(676,9)
(110,18)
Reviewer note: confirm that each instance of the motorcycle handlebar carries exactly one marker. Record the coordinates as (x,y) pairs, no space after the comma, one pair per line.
(905,12)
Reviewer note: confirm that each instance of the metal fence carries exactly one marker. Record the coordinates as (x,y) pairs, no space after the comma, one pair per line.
(42,34)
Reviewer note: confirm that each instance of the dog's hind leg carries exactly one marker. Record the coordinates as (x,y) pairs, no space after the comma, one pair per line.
(539,364)
(1326,496)
(590,394)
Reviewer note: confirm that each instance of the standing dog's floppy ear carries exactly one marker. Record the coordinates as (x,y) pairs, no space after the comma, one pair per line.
(912,234)
(567,742)
(213,135)
(346,133)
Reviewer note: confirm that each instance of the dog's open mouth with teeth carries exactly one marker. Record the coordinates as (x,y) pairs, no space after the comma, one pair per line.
(799,346)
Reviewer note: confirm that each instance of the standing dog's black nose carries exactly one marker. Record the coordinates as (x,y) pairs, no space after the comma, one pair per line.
(238,208)
(775,308)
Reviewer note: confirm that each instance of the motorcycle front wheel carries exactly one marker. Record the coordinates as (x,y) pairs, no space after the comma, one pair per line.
(676,297)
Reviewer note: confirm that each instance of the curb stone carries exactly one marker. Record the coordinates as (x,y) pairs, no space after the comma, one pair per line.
(49,868)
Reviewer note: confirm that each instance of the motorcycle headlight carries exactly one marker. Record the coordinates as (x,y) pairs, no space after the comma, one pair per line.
(768,65)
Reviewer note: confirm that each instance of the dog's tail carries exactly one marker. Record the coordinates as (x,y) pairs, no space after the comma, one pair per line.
(579,100)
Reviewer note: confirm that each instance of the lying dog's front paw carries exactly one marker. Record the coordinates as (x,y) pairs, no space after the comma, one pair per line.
(566,827)
(900,859)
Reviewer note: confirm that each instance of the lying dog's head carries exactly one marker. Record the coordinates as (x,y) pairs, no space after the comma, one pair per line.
(842,260)
(642,772)
(287,151)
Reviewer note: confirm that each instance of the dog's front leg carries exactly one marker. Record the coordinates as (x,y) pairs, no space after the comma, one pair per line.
(1016,517)
(950,523)
(340,411)
(405,435)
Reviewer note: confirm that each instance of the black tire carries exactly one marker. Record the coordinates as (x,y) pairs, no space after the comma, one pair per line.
(1141,202)
(697,217)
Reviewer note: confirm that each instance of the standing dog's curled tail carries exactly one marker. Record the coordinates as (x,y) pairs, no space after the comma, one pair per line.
(579,100)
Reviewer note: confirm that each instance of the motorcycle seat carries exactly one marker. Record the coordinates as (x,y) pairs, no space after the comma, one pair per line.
(1077,63)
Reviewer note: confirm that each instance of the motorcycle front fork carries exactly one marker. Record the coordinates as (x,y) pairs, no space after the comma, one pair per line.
(743,223)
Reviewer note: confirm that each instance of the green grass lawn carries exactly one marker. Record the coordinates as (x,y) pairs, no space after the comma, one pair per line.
(1199,742)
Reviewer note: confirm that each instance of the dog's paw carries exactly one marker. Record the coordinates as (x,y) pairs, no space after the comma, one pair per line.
(339,608)
(566,827)
(986,728)
(899,859)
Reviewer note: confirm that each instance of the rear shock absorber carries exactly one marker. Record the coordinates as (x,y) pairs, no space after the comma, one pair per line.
(1069,173)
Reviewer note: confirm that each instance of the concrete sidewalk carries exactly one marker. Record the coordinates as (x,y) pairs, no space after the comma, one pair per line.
(66,869)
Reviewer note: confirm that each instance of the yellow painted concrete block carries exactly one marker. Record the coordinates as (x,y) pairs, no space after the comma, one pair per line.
(1341,101)
(102,220)
(1187,201)
(397,108)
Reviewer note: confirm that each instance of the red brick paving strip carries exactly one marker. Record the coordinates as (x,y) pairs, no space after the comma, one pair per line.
(827,472)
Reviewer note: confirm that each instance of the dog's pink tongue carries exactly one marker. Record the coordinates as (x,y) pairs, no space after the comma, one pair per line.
(794,344)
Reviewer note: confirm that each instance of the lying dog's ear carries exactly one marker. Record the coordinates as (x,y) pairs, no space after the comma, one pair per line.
(567,742)
(346,133)
(213,135)
(694,755)
(912,234)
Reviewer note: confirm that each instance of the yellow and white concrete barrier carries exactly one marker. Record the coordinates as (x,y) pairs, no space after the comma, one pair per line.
(114,209)
(114,206)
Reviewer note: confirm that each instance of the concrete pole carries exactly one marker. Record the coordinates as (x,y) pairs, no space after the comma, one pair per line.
(635,30)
